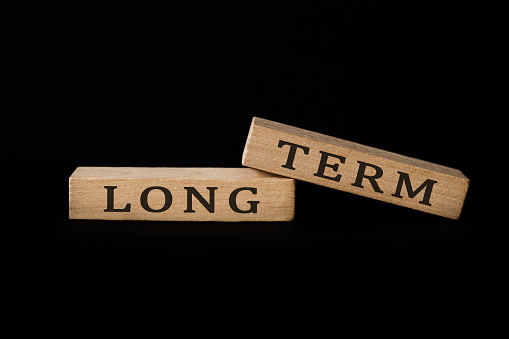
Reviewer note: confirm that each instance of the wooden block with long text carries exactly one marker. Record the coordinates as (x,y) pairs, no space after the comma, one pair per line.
(347,166)
(180,194)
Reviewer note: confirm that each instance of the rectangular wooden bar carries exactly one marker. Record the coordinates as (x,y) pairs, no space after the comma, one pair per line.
(347,166)
(180,194)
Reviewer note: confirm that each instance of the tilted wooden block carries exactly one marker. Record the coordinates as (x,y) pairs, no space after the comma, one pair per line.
(180,194)
(351,167)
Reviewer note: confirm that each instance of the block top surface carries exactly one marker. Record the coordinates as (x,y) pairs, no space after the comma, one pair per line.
(199,173)
(357,147)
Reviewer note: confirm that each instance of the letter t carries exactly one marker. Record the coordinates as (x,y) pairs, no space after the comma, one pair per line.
(291,153)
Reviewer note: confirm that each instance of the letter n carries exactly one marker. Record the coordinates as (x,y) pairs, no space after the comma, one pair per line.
(209,205)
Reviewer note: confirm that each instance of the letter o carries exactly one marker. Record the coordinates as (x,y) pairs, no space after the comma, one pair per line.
(167,197)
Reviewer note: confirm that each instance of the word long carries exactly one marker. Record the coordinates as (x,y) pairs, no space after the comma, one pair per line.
(180,194)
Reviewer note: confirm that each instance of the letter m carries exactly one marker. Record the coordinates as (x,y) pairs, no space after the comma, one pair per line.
(427,186)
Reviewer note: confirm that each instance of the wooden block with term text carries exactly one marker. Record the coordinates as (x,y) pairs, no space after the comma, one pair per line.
(180,194)
(347,166)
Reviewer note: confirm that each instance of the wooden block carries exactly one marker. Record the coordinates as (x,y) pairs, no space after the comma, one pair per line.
(351,167)
(180,194)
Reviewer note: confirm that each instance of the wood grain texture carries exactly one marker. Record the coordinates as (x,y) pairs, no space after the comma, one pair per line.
(348,166)
(195,194)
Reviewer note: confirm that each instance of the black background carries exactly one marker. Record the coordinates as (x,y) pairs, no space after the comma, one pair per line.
(162,84)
